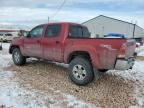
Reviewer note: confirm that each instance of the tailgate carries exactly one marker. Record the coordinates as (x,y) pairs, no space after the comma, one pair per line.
(127,53)
(130,48)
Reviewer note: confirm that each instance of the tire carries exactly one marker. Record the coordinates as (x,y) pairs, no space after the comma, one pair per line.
(4,40)
(81,71)
(0,47)
(17,57)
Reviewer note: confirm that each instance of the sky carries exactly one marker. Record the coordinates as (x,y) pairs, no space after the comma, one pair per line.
(34,12)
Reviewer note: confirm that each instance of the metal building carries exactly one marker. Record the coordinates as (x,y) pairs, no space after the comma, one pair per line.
(103,25)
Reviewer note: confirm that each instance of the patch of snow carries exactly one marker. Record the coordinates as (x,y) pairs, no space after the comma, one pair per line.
(136,75)
(5,57)
(5,46)
(140,51)
(13,96)
(139,89)
(73,102)
(5,60)
(61,64)
(7,74)
(139,69)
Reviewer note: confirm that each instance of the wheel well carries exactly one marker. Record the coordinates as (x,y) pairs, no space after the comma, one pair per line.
(12,48)
(79,53)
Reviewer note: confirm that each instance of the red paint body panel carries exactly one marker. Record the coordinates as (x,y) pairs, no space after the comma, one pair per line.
(103,52)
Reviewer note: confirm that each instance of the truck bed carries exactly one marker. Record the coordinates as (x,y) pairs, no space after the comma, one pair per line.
(104,51)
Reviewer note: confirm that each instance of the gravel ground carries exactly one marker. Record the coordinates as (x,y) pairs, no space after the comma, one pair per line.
(116,89)
(109,91)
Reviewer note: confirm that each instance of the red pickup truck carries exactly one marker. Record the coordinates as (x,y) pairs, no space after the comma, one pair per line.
(71,43)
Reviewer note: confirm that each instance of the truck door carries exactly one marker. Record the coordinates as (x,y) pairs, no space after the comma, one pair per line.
(52,45)
(32,43)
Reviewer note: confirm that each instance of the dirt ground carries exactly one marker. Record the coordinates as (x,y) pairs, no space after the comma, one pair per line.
(108,92)
(140,58)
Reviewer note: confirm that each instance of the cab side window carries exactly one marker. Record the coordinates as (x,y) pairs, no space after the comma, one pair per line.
(75,31)
(36,32)
(53,30)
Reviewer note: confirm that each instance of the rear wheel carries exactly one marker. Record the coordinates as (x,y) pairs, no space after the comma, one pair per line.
(4,41)
(18,58)
(81,71)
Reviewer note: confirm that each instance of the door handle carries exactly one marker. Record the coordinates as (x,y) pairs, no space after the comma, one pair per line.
(57,42)
(38,41)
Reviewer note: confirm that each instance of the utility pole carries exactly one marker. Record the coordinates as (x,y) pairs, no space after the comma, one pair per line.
(134,31)
(103,30)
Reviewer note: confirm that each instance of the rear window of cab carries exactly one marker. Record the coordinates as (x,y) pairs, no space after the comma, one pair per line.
(78,32)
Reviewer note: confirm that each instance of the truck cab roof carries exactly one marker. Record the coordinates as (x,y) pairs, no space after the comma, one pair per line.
(66,23)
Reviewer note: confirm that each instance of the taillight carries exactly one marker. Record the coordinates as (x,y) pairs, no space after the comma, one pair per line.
(122,51)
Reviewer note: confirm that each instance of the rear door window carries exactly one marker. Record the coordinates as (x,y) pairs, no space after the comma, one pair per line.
(53,30)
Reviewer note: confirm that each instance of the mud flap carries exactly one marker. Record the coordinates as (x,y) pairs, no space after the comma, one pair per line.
(97,74)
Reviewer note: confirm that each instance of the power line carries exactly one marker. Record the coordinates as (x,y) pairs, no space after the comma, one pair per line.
(58,10)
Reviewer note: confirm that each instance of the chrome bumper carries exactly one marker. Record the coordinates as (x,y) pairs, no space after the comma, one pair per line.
(124,64)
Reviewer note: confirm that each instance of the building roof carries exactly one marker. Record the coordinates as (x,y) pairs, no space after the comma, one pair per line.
(112,19)
(8,30)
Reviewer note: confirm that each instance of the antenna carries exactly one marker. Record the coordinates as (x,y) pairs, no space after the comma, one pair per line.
(48,19)
(59,8)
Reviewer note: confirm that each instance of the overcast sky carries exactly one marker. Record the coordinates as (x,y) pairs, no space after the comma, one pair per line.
(33,12)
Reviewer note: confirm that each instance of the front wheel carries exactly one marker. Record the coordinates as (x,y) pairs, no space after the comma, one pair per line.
(81,71)
(18,58)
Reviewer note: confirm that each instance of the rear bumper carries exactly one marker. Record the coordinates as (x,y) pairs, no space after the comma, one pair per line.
(124,64)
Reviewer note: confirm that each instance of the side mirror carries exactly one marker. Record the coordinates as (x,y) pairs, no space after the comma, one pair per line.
(28,35)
